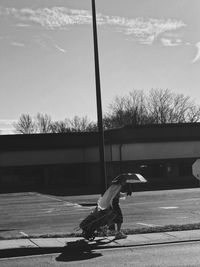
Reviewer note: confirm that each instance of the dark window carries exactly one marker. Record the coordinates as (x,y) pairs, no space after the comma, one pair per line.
(185,169)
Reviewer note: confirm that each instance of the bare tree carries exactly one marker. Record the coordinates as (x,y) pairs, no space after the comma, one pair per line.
(127,110)
(194,114)
(158,106)
(60,127)
(136,108)
(80,124)
(165,106)
(76,124)
(25,125)
(92,127)
(43,123)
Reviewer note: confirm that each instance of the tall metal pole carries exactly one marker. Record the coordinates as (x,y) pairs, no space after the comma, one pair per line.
(99,105)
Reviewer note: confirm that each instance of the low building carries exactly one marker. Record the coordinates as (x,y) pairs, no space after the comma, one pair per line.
(164,154)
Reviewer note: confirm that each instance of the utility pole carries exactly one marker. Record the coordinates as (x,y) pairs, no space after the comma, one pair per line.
(99,105)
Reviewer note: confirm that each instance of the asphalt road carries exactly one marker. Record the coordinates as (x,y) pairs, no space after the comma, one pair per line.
(35,214)
(180,254)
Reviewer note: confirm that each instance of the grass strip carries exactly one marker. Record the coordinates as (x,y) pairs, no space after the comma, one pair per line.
(141,230)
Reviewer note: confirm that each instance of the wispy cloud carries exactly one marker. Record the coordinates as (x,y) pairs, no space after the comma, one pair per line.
(60,48)
(6,126)
(145,31)
(18,44)
(169,42)
(22,25)
(55,17)
(142,30)
(48,43)
(7,121)
(197,57)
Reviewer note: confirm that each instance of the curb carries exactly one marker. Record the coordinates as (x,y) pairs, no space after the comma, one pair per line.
(83,247)
(22,252)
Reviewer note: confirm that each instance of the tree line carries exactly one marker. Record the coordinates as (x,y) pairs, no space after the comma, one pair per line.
(158,106)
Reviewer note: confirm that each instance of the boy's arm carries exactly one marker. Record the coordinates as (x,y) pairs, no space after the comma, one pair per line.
(129,190)
(129,193)
(122,194)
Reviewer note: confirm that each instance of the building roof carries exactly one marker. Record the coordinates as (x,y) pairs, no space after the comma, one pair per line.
(128,134)
(156,133)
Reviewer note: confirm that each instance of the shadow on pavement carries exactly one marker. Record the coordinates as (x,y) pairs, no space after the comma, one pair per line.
(7,230)
(26,251)
(77,250)
(73,254)
(82,249)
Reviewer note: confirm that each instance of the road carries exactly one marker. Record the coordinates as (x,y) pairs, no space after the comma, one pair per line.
(180,254)
(35,214)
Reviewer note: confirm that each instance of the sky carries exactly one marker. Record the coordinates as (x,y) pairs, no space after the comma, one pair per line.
(47,57)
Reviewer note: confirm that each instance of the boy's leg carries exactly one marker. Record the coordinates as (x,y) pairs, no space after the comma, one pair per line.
(119,227)
(119,234)
(112,227)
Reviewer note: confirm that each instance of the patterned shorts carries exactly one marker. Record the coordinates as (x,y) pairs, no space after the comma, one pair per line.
(119,216)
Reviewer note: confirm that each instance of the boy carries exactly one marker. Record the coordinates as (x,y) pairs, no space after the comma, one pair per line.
(119,217)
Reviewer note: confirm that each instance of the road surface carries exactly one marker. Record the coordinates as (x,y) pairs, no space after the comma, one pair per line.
(180,254)
(35,214)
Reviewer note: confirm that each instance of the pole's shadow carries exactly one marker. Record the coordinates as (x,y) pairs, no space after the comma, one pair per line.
(7,230)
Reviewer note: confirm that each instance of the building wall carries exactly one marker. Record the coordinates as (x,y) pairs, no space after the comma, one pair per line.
(75,169)
(161,150)
(113,153)
(41,157)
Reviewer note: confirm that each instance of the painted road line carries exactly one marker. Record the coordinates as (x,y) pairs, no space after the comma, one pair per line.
(148,225)
(66,203)
(24,234)
(169,208)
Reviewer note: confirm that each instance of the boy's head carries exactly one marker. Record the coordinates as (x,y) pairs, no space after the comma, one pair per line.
(121,179)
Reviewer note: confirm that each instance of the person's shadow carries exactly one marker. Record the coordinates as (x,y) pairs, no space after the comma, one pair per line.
(81,250)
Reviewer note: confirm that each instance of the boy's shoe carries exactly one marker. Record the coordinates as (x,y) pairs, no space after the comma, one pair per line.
(120,235)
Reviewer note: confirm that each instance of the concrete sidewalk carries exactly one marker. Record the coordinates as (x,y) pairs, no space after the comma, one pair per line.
(35,246)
